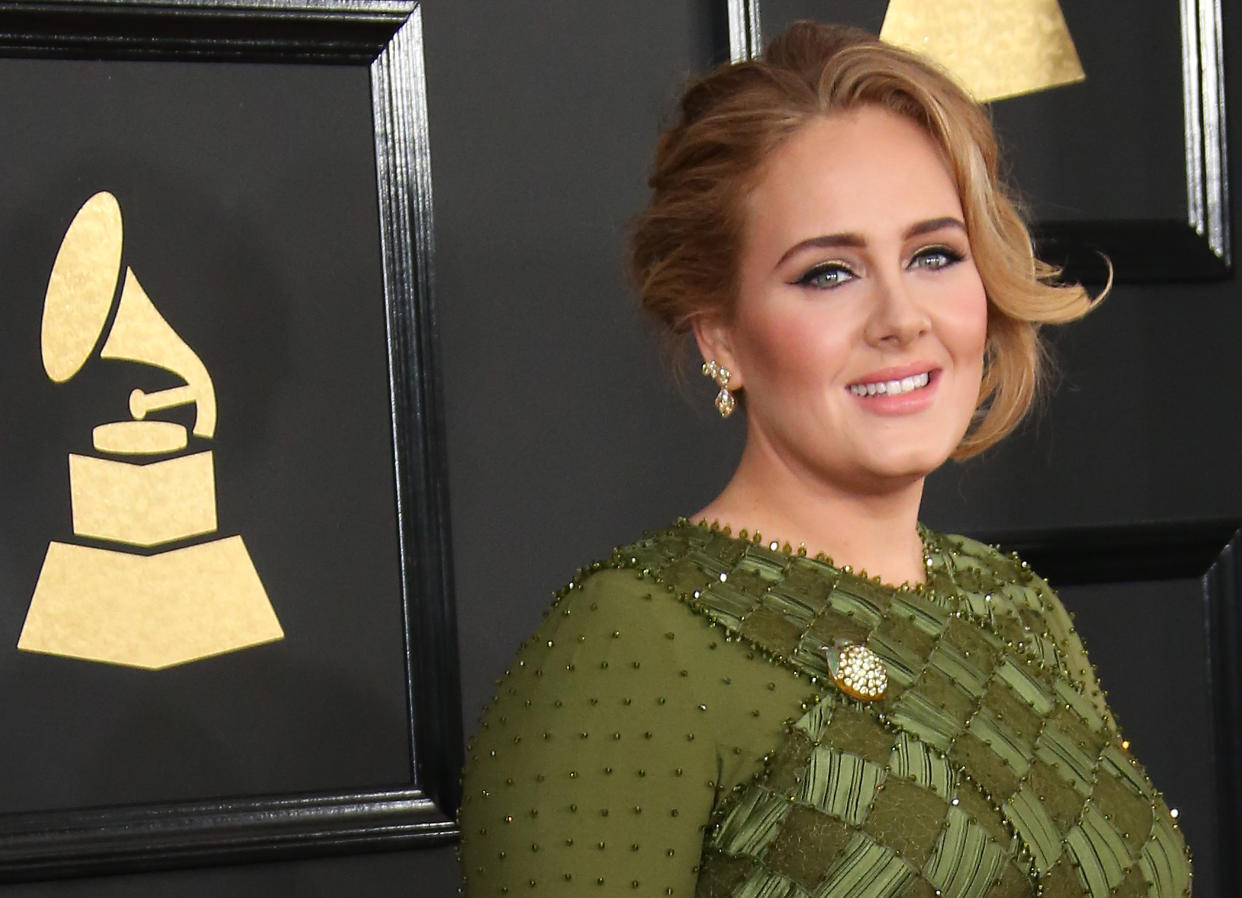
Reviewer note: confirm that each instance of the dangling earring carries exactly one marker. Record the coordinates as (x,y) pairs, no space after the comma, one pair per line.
(725,402)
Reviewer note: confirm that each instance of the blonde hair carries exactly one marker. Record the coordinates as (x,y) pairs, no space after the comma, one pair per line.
(684,246)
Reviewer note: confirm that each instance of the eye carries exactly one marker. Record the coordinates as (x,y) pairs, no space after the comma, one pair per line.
(934,258)
(826,276)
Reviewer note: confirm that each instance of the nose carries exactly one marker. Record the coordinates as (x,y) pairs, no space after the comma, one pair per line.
(897,317)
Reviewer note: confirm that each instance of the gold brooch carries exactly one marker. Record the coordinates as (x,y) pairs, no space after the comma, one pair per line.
(857,671)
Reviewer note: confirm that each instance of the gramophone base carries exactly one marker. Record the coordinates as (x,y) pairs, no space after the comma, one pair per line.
(149,611)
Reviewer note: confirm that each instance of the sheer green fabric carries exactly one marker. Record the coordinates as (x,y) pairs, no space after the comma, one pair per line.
(672,728)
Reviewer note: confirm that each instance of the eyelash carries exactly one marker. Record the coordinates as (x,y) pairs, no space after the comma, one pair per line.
(945,256)
(813,276)
(950,256)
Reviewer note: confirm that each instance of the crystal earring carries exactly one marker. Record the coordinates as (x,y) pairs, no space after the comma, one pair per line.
(725,402)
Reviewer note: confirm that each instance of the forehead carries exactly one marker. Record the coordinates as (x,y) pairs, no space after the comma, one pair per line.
(858,171)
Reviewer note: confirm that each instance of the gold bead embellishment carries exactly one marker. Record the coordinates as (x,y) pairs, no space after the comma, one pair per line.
(857,671)
(725,403)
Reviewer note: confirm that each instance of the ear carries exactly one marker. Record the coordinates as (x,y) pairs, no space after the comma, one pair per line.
(715,340)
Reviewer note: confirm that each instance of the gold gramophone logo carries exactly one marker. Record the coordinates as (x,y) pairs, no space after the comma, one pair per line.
(130,602)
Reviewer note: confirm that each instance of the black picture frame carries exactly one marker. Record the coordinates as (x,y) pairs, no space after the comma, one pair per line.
(386,37)
(1148,249)
(1203,551)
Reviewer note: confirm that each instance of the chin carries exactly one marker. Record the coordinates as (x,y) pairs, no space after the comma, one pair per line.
(907,466)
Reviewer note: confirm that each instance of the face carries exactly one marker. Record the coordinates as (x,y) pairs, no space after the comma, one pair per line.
(860,322)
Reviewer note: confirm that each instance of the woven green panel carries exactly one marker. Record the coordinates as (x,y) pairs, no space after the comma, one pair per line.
(726,605)
(811,656)
(649,555)
(917,645)
(1011,748)
(1099,851)
(859,733)
(916,713)
(875,594)
(921,888)
(852,598)
(1133,885)
(1043,650)
(866,869)
(1029,689)
(723,875)
(788,765)
(1117,764)
(1163,861)
(1082,705)
(767,885)
(711,563)
(724,548)
(746,577)
(1034,827)
(918,762)
(908,819)
(1011,630)
(978,646)
(765,564)
(1014,883)
(989,771)
(809,580)
(954,703)
(960,669)
(920,613)
(815,722)
(793,607)
(973,803)
(771,629)
(902,664)
(754,822)
(1058,749)
(965,861)
(807,848)
(686,577)
(1060,800)
(1003,702)
(1130,812)
(832,624)
(974,773)
(1090,741)
(977,604)
(840,784)
(1063,881)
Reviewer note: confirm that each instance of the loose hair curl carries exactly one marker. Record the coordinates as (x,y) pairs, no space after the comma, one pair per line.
(684,247)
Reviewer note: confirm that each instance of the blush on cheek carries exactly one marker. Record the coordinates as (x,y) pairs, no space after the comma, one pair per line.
(790,352)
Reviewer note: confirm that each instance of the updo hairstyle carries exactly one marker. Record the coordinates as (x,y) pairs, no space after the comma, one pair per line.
(685,246)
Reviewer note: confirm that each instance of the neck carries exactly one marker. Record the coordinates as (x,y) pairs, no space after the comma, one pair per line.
(872,530)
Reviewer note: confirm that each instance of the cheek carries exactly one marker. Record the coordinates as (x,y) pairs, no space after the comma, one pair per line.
(967,324)
(791,352)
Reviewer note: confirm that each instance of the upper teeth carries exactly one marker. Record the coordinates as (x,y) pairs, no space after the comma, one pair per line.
(891,387)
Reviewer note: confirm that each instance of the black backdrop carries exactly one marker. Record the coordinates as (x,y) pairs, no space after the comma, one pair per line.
(564,437)
(248,198)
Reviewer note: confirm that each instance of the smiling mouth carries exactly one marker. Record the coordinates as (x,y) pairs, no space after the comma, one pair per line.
(892,387)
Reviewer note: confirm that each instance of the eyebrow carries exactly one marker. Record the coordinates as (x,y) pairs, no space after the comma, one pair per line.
(827,241)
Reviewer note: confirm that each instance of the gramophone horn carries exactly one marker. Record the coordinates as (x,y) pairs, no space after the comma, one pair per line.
(79,297)
(81,287)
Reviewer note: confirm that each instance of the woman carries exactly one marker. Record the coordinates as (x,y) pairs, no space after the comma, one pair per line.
(723,715)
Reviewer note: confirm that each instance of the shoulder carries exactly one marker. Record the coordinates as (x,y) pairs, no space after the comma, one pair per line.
(967,555)
(989,580)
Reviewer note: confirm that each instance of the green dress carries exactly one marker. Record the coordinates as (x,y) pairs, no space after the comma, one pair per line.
(673,727)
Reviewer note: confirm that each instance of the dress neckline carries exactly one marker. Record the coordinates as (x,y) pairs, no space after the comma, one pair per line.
(933,554)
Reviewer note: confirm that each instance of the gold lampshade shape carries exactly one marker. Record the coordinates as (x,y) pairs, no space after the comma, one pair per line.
(994,49)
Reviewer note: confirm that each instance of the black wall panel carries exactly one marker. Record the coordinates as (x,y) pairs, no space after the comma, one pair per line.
(565,438)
